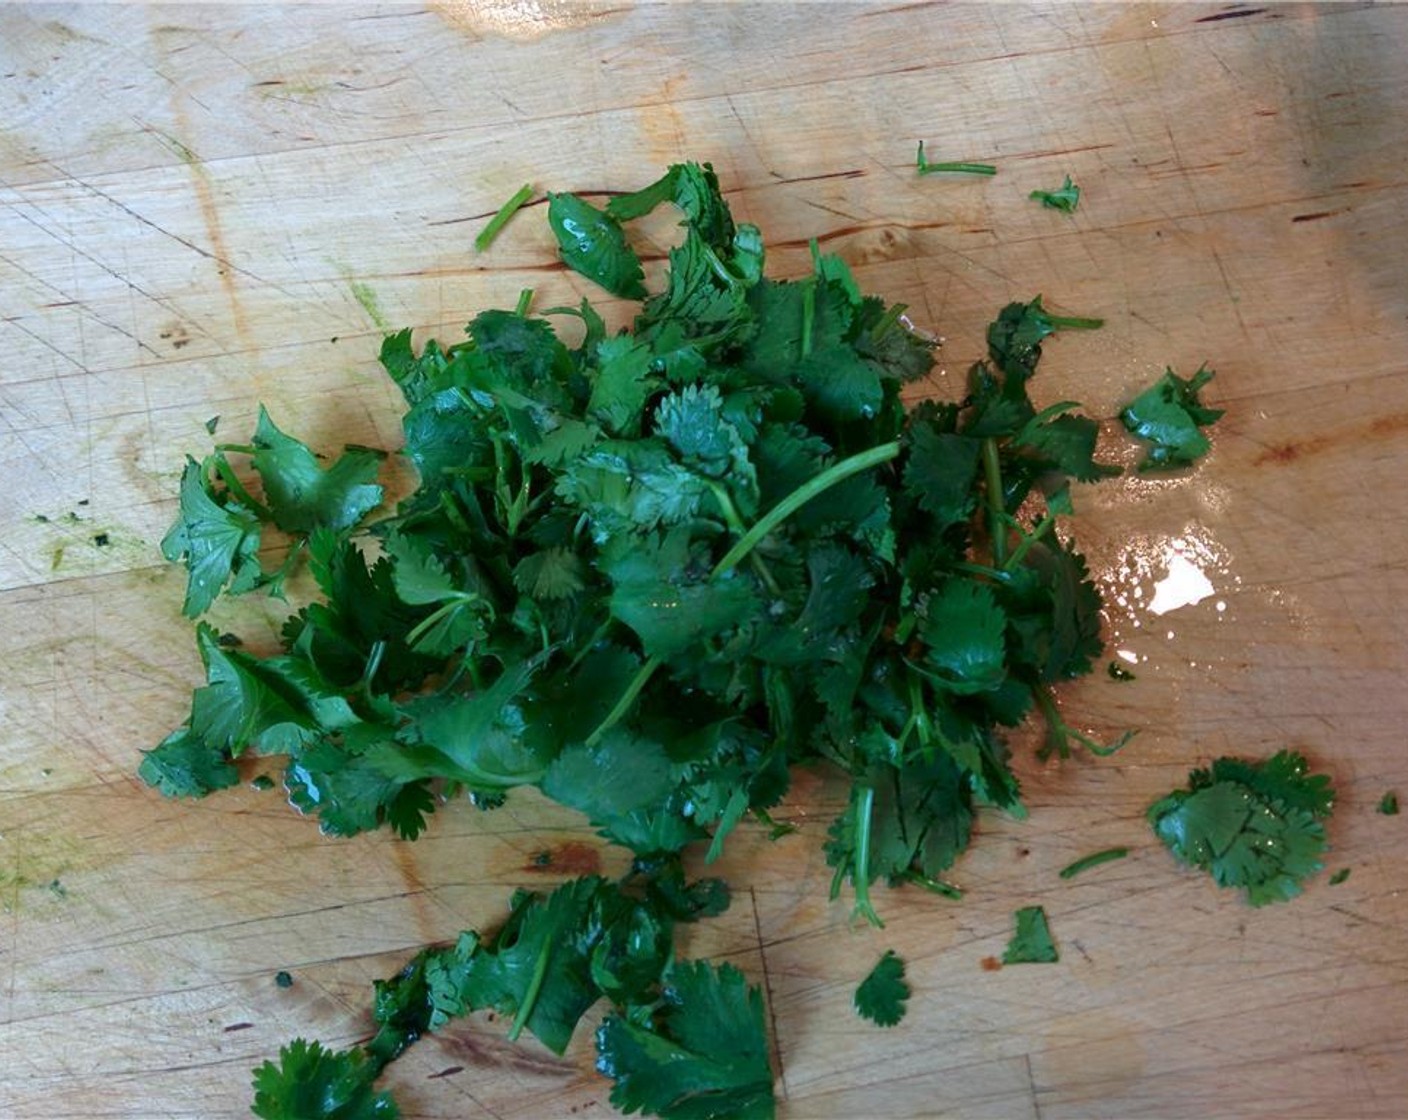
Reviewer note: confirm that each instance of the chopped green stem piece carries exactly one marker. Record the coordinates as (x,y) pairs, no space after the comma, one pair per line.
(799,497)
(237,488)
(1074,323)
(860,873)
(1095,859)
(501,219)
(1038,531)
(623,705)
(525,301)
(960,167)
(935,886)
(530,997)
(997,515)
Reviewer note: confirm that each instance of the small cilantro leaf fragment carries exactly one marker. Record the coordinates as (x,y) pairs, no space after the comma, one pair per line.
(1253,825)
(926,168)
(593,243)
(1388,804)
(185,765)
(881,996)
(302,496)
(216,536)
(1171,417)
(1031,943)
(312,1083)
(1064,198)
(1339,876)
(702,1055)
(1118,672)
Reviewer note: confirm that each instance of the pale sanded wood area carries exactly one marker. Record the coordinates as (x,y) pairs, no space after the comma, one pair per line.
(203,208)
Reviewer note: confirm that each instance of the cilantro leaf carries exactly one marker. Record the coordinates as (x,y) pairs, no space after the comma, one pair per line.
(302,495)
(702,1056)
(185,765)
(1170,415)
(1064,198)
(593,243)
(882,995)
(1388,804)
(940,472)
(311,1083)
(1253,825)
(1031,943)
(216,536)
(963,632)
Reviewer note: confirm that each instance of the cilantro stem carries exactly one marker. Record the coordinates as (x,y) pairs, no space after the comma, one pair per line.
(808,313)
(926,168)
(860,872)
(525,301)
(836,473)
(997,514)
(1059,733)
(937,886)
(735,523)
(623,705)
(1095,859)
(535,987)
(237,488)
(1073,323)
(499,220)
(1040,530)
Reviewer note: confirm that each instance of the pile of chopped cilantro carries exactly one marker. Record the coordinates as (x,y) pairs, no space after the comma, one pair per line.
(650,572)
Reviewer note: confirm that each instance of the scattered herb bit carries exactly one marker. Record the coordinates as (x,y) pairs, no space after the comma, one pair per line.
(1339,876)
(1065,198)
(101,540)
(1032,943)
(1388,804)
(283,979)
(57,889)
(501,219)
(1170,416)
(1119,673)
(263,782)
(41,518)
(214,421)
(881,996)
(960,167)
(1253,825)
(1095,859)
(57,558)
(311,1083)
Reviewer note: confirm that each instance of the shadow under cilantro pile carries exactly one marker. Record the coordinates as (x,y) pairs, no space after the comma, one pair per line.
(650,574)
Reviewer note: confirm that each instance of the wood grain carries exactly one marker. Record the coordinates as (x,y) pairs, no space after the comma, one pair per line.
(206,207)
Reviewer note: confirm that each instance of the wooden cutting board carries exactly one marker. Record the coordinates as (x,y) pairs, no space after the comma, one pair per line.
(204,208)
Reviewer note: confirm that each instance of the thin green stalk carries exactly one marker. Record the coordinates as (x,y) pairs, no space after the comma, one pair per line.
(530,997)
(997,514)
(936,886)
(962,167)
(1074,323)
(799,497)
(1019,553)
(808,313)
(499,220)
(860,873)
(525,301)
(623,705)
(237,488)
(1095,859)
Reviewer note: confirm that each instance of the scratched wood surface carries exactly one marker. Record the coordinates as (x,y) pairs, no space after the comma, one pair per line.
(202,208)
